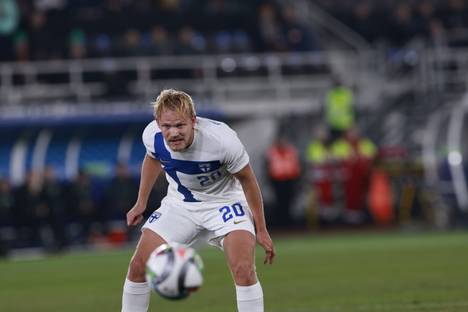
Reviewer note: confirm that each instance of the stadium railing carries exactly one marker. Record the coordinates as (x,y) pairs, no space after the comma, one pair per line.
(236,83)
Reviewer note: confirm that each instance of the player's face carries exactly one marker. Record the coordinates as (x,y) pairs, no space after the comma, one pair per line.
(177,129)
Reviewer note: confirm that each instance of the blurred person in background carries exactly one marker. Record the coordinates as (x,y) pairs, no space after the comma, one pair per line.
(211,188)
(284,171)
(297,35)
(160,43)
(353,155)
(358,170)
(82,205)
(339,110)
(363,20)
(21,47)
(404,25)
(52,212)
(121,194)
(320,173)
(437,36)
(131,44)
(189,42)
(269,28)
(7,202)
(121,190)
(77,45)
(9,16)
(9,20)
(42,44)
(27,222)
(339,171)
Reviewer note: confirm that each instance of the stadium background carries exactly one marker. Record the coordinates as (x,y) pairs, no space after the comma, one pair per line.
(76,82)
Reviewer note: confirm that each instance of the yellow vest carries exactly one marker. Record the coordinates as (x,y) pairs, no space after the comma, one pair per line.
(341,149)
(316,152)
(339,108)
(367,148)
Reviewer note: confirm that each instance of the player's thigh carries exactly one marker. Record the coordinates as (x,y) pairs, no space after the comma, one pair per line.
(239,249)
(148,242)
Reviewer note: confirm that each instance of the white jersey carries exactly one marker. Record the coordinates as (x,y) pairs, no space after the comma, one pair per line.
(204,171)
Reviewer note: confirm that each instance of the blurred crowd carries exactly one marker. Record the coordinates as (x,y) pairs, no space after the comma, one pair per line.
(398,23)
(340,177)
(335,166)
(53,214)
(61,29)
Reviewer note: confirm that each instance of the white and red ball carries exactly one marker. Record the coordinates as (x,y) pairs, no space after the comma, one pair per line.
(174,271)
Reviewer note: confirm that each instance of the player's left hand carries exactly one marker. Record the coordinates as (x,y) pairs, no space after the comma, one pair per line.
(264,239)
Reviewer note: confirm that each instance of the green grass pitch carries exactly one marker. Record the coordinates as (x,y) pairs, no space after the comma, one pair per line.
(317,273)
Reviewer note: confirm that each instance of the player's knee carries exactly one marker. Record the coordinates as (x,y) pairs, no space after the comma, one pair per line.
(244,273)
(136,270)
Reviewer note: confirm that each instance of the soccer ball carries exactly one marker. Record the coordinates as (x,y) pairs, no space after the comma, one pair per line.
(174,271)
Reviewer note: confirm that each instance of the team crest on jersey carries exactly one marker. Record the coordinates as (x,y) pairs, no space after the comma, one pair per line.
(205,167)
(154,216)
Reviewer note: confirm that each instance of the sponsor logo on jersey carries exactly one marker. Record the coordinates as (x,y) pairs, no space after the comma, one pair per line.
(238,221)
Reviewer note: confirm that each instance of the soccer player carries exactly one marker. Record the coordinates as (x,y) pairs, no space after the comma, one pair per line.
(212,188)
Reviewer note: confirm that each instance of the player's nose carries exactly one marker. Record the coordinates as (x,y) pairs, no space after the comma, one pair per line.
(173,132)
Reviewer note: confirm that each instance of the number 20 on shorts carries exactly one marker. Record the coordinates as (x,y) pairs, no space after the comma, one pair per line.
(230,211)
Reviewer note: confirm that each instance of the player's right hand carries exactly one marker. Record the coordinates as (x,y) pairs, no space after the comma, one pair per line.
(264,239)
(135,215)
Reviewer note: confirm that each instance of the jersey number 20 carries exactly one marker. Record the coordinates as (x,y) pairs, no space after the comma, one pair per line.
(206,180)
(228,211)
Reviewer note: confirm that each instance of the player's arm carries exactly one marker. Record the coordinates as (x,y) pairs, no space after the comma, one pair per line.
(253,195)
(150,171)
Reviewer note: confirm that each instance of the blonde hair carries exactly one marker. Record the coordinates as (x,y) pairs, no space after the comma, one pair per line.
(174,100)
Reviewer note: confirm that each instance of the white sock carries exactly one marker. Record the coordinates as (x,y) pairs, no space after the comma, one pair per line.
(136,297)
(250,298)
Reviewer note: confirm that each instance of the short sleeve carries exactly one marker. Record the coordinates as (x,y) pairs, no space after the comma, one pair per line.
(236,155)
(148,139)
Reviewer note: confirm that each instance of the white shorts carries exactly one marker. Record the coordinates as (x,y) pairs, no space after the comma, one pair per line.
(184,223)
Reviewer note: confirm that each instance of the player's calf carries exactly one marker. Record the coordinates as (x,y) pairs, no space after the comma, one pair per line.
(136,269)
